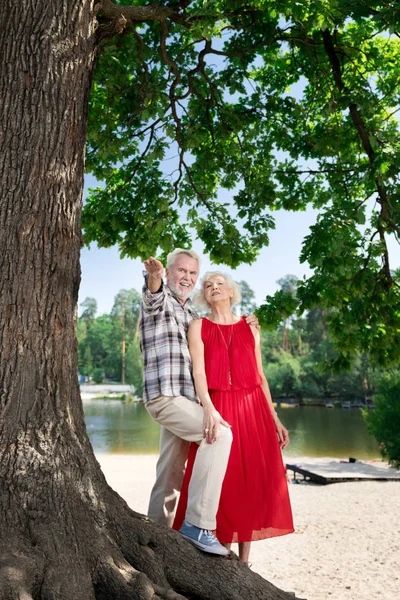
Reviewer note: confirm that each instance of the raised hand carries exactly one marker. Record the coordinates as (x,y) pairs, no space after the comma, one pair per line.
(154,268)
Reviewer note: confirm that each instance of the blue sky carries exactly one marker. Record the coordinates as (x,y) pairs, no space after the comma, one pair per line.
(104,273)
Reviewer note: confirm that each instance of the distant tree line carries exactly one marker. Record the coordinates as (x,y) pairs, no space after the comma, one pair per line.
(296,354)
(109,344)
(301,361)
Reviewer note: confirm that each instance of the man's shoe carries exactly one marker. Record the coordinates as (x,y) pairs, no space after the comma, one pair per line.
(203,539)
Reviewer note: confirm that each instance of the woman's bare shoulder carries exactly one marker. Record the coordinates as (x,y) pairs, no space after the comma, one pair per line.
(195,325)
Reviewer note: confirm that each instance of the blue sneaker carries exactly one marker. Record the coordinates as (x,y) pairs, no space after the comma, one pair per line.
(203,539)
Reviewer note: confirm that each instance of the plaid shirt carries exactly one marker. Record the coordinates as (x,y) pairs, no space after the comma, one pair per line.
(163,340)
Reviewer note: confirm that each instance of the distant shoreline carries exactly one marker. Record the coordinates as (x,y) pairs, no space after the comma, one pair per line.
(112,393)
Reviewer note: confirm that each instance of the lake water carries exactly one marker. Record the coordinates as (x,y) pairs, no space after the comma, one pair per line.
(126,428)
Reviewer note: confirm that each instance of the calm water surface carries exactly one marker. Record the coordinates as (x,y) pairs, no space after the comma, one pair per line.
(117,427)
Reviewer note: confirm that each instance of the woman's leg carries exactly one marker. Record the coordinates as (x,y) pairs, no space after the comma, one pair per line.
(244,551)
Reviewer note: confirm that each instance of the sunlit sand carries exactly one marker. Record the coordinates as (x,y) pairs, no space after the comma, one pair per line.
(347,540)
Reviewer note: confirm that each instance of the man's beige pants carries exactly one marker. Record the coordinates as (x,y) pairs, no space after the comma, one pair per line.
(182,422)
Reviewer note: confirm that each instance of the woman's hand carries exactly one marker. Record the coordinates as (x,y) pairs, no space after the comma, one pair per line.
(251,320)
(211,424)
(283,434)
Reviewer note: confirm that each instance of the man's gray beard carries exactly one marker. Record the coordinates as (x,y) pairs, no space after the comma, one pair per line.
(179,292)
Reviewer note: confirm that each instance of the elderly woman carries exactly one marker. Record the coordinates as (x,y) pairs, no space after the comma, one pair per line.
(227,370)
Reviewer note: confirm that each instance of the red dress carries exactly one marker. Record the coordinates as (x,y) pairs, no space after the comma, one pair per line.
(254,501)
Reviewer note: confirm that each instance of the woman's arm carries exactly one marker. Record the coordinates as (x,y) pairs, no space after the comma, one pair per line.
(283,434)
(212,418)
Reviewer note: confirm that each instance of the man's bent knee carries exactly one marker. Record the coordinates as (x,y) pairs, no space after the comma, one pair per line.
(225,433)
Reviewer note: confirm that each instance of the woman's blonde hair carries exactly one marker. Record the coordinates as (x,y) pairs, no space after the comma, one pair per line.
(199,297)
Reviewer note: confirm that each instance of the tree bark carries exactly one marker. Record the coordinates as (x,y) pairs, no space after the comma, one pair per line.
(64,534)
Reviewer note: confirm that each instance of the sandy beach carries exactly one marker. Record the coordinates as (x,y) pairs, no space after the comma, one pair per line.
(347,540)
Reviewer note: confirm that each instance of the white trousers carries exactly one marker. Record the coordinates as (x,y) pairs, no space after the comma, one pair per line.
(182,422)
(169,476)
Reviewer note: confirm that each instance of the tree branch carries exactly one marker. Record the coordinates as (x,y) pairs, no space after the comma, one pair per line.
(110,29)
(361,128)
(314,171)
(150,12)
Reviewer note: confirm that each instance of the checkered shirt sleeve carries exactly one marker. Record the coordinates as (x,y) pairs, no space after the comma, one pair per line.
(163,338)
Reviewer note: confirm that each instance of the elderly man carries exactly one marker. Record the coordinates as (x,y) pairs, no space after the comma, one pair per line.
(170,399)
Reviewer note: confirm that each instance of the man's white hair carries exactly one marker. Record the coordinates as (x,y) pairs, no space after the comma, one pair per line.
(172,256)
(199,297)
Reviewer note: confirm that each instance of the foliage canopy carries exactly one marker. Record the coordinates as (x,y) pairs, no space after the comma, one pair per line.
(283,105)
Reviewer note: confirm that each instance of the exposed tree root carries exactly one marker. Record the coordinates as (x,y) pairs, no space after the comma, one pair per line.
(127,558)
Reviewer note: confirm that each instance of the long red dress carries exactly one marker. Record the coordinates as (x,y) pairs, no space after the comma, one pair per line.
(254,501)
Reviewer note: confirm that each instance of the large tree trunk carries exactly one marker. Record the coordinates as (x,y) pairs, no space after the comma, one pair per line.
(64,534)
